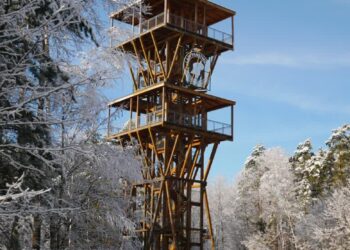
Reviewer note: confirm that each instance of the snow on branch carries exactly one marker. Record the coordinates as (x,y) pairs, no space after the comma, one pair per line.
(15,192)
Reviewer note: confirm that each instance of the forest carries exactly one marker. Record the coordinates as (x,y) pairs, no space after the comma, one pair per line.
(62,186)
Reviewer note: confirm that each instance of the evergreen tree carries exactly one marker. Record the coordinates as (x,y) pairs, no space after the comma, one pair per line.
(337,159)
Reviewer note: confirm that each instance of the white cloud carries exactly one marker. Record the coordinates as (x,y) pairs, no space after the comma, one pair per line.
(291,60)
(320,101)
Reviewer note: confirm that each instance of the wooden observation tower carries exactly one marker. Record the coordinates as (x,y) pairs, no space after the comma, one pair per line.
(175,47)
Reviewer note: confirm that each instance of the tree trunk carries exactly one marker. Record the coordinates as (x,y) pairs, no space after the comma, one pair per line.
(36,238)
(54,233)
(14,243)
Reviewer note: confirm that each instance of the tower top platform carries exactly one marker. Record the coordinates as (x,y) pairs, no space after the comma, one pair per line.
(214,13)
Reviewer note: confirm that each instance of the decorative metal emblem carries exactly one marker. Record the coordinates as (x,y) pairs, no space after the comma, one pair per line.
(194,66)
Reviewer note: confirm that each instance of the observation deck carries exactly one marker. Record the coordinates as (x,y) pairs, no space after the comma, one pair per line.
(164,24)
(140,115)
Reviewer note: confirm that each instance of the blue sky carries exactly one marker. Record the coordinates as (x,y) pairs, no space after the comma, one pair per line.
(289,73)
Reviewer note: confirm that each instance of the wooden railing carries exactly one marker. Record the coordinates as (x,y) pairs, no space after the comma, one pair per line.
(182,23)
(175,118)
(200,29)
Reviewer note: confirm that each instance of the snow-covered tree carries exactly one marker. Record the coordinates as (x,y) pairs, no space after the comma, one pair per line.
(309,173)
(337,160)
(236,208)
(282,202)
(335,231)
(279,209)
(98,190)
(51,104)
(248,191)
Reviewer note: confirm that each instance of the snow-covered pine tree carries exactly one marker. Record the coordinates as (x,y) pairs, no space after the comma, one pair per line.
(337,159)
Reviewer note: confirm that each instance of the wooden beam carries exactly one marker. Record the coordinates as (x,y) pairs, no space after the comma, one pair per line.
(140,92)
(172,154)
(130,121)
(137,111)
(144,156)
(157,53)
(155,215)
(188,153)
(167,59)
(139,61)
(175,54)
(206,202)
(155,150)
(147,60)
(210,162)
(233,32)
(170,212)
(194,163)
(212,66)
(166,11)
(232,121)
(109,121)
(163,104)
(131,72)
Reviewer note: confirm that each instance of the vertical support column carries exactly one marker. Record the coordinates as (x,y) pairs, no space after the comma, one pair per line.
(189,212)
(205,28)
(110,41)
(233,31)
(166,14)
(232,114)
(204,119)
(130,121)
(137,111)
(133,21)
(182,18)
(167,60)
(195,16)
(202,188)
(209,220)
(109,121)
(145,187)
(140,19)
(163,105)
